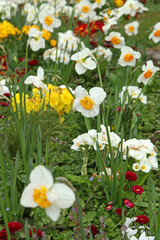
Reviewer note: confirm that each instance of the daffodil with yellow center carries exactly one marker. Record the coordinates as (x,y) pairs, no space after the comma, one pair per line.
(42,192)
(128,57)
(131,28)
(88,103)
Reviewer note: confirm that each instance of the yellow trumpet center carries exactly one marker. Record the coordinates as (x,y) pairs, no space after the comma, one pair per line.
(85,9)
(143,167)
(128,57)
(48,20)
(115,40)
(87,103)
(157,33)
(131,29)
(148,74)
(98,1)
(40,197)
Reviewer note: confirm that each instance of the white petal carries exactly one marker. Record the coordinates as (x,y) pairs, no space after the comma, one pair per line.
(33,32)
(80,92)
(30,79)
(41,176)
(79,68)
(27,196)
(64,194)
(53,212)
(97,94)
(74,57)
(90,64)
(40,73)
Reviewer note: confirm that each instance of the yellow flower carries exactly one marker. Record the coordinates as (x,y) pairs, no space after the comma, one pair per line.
(119,3)
(53,42)
(46,35)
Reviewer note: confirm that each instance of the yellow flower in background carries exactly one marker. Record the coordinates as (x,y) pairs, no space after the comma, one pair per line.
(53,42)
(119,3)
(46,35)
(7,29)
(26,28)
(57,98)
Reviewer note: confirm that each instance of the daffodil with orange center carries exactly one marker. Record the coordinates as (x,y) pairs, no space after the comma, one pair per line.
(116,39)
(88,103)
(128,56)
(42,192)
(48,21)
(148,71)
(131,28)
(155,35)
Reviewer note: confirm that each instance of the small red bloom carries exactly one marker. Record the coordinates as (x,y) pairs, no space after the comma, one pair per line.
(109,207)
(2,116)
(128,203)
(38,233)
(142,219)
(93,230)
(119,109)
(33,62)
(131,176)
(119,211)
(21,59)
(14,226)
(137,189)
(4,104)
(3,234)
(7,95)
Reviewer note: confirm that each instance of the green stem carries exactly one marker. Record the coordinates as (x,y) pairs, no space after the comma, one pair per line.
(84,166)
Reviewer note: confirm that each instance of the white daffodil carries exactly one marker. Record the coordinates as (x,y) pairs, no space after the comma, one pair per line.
(155,35)
(37,80)
(83,61)
(88,103)
(36,41)
(42,192)
(128,57)
(48,21)
(148,71)
(131,28)
(101,51)
(116,39)
(98,4)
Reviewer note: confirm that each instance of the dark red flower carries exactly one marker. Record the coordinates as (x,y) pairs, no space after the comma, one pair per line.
(3,234)
(109,207)
(119,211)
(137,189)
(38,233)
(4,104)
(33,62)
(131,176)
(7,95)
(21,59)
(142,219)
(2,116)
(93,230)
(119,109)
(128,203)
(14,226)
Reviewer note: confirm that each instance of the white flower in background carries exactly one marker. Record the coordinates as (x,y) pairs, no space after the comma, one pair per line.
(37,80)
(7,9)
(36,41)
(144,152)
(128,57)
(98,3)
(101,51)
(136,167)
(68,10)
(82,141)
(68,41)
(155,35)
(88,103)
(133,92)
(42,192)
(48,21)
(84,11)
(3,87)
(116,39)
(131,7)
(57,55)
(148,71)
(109,22)
(131,28)
(31,12)
(83,61)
